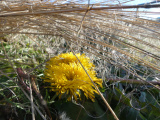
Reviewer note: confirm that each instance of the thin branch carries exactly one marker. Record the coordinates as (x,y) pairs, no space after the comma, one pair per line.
(105,101)
(132,81)
(79,9)
(34,87)
(31,96)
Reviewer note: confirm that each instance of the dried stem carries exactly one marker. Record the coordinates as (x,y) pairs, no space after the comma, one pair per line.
(132,81)
(105,101)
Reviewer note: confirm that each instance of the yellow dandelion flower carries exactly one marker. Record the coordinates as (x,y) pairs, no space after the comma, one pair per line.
(68,77)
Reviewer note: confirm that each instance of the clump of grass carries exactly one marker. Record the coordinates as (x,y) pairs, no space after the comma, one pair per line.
(122,46)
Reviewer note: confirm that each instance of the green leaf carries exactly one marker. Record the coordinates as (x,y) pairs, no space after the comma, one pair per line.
(123,99)
(88,110)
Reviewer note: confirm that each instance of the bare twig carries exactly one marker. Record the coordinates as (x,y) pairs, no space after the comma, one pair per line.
(105,101)
(34,87)
(131,81)
(80,10)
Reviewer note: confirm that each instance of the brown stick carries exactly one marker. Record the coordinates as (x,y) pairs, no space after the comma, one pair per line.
(105,101)
(79,9)
(23,76)
(43,102)
(132,81)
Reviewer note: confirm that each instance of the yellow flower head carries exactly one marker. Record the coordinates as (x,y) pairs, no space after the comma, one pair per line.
(67,76)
